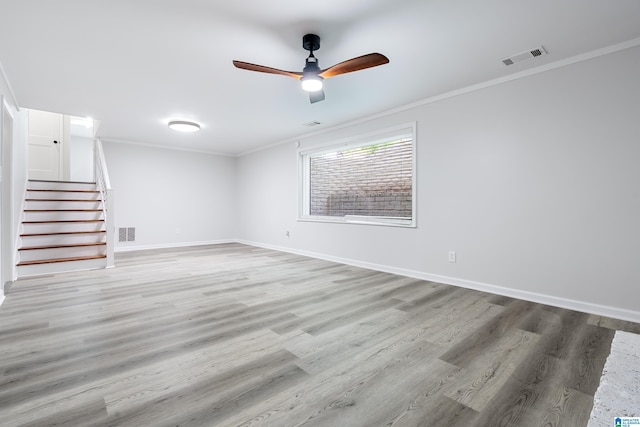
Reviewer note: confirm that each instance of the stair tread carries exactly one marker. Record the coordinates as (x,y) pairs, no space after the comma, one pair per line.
(77,245)
(63,210)
(62,182)
(56,221)
(62,232)
(50,190)
(64,193)
(63,200)
(54,260)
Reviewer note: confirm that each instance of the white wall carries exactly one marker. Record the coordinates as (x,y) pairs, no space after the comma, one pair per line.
(81,159)
(171,197)
(535,183)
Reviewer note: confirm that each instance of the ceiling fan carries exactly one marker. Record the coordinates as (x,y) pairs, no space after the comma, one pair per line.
(312,76)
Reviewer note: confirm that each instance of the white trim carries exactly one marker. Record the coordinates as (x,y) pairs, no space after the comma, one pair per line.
(19,227)
(570,304)
(404,130)
(5,79)
(4,210)
(103,183)
(516,76)
(97,143)
(166,147)
(8,229)
(172,245)
(294,140)
(388,134)
(489,83)
(360,220)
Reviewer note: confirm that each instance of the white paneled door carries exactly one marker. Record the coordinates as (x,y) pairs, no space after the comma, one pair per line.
(45,145)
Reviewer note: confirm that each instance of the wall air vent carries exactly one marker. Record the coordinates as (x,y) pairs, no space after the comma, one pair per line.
(127,234)
(311,124)
(524,56)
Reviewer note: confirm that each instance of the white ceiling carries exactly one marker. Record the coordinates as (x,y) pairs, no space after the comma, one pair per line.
(134,65)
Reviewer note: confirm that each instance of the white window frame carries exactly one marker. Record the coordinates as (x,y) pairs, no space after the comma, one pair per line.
(380,136)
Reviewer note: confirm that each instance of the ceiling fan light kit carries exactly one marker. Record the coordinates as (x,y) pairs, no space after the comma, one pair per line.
(311,80)
(311,83)
(312,76)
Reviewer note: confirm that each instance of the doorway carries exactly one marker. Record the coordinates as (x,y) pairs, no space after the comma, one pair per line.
(45,145)
(60,147)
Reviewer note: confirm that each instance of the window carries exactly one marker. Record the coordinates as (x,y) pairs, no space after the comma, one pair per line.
(369,179)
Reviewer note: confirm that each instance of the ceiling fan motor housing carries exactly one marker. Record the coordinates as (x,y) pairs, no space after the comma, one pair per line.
(311,66)
(311,42)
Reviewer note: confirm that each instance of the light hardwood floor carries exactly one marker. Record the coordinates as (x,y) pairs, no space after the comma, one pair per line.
(230,335)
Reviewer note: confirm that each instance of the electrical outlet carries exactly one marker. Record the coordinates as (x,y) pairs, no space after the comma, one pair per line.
(452,256)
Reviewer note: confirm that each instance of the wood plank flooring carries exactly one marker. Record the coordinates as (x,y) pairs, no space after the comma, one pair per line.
(233,335)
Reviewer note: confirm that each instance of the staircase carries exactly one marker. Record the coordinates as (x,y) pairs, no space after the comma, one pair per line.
(63,228)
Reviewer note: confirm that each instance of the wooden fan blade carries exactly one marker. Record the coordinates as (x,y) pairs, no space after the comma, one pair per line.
(355,64)
(263,69)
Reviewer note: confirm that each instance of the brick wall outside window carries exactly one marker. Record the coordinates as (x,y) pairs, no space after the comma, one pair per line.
(373,180)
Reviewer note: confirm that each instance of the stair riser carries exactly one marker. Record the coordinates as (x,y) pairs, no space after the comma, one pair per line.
(89,204)
(62,239)
(58,216)
(78,251)
(60,227)
(59,267)
(61,195)
(39,185)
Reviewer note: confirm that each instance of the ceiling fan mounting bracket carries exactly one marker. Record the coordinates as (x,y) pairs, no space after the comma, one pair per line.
(311,42)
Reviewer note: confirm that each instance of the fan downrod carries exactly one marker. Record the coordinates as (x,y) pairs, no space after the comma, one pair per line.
(311,42)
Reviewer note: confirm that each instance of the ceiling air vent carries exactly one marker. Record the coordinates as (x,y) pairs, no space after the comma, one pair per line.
(524,56)
(311,124)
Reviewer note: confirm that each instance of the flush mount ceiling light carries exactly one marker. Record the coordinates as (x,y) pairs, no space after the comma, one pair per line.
(184,126)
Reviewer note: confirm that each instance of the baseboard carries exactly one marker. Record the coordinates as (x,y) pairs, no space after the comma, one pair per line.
(571,304)
(172,245)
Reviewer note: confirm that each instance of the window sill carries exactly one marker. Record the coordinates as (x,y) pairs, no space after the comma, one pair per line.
(361,220)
